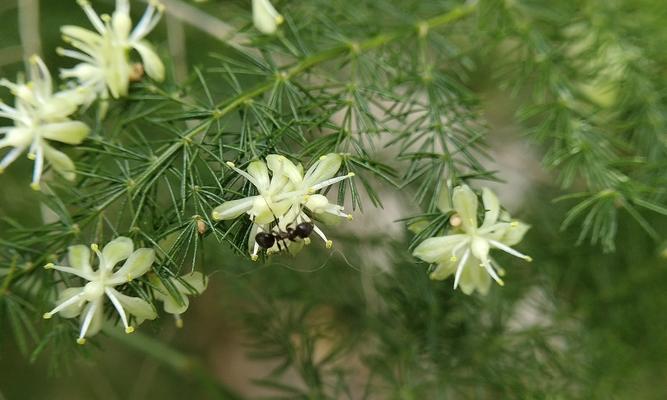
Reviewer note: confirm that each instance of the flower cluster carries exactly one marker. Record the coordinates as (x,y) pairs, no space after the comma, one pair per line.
(104,282)
(40,114)
(465,252)
(265,17)
(286,197)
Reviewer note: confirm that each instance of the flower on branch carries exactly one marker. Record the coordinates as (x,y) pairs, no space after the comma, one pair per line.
(286,197)
(465,252)
(39,115)
(265,17)
(105,64)
(187,285)
(88,301)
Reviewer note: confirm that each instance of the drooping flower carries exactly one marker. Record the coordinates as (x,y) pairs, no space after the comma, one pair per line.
(105,65)
(465,253)
(40,115)
(265,17)
(187,285)
(285,196)
(88,301)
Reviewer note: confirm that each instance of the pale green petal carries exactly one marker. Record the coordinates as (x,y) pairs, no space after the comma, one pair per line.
(81,34)
(152,63)
(317,203)
(491,207)
(465,204)
(136,265)
(73,310)
(419,225)
(138,307)
(480,248)
(70,132)
(79,257)
(233,208)
(514,233)
(171,306)
(325,168)
(121,22)
(98,319)
(258,170)
(195,281)
(60,162)
(444,270)
(438,248)
(117,250)
(265,17)
(280,165)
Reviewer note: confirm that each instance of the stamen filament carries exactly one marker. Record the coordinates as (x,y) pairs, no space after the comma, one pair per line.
(460,267)
(510,250)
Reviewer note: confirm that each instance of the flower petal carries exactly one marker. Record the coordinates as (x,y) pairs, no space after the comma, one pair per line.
(325,168)
(60,162)
(265,17)
(152,63)
(70,132)
(281,166)
(79,257)
(233,208)
(465,204)
(444,199)
(195,281)
(438,248)
(172,306)
(514,233)
(491,206)
(480,248)
(258,170)
(136,306)
(116,251)
(75,309)
(444,270)
(136,265)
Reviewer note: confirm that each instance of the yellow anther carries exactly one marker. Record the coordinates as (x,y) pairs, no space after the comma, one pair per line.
(2,170)
(306,241)
(529,258)
(31,156)
(34,58)
(105,17)
(129,277)
(94,247)
(279,19)
(349,217)
(329,244)
(179,323)
(351,174)
(254,257)
(81,341)
(129,329)
(500,282)
(323,157)
(35,187)
(47,315)
(514,224)
(49,266)
(231,164)
(453,259)
(215,215)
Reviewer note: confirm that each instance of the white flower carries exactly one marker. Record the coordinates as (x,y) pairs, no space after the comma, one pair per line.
(88,301)
(466,254)
(40,115)
(285,195)
(191,284)
(265,17)
(105,64)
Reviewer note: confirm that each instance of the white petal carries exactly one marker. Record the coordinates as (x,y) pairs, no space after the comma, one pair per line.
(325,168)
(72,310)
(438,248)
(171,306)
(480,248)
(465,204)
(444,199)
(280,165)
(60,162)
(70,132)
(444,270)
(136,265)
(491,207)
(152,63)
(233,208)
(265,16)
(79,257)
(81,34)
(514,233)
(317,203)
(117,250)
(259,171)
(196,281)
(136,306)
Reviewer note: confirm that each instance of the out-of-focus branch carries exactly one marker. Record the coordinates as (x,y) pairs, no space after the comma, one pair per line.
(29,28)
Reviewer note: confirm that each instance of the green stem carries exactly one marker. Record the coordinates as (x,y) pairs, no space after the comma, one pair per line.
(180,363)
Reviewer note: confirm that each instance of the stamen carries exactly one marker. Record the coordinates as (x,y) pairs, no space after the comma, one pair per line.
(62,305)
(492,272)
(460,267)
(119,309)
(86,322)
(331,181)
(92,16)
(243,174)
(510,250)
(70,270)
(178,320)
(10,157)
